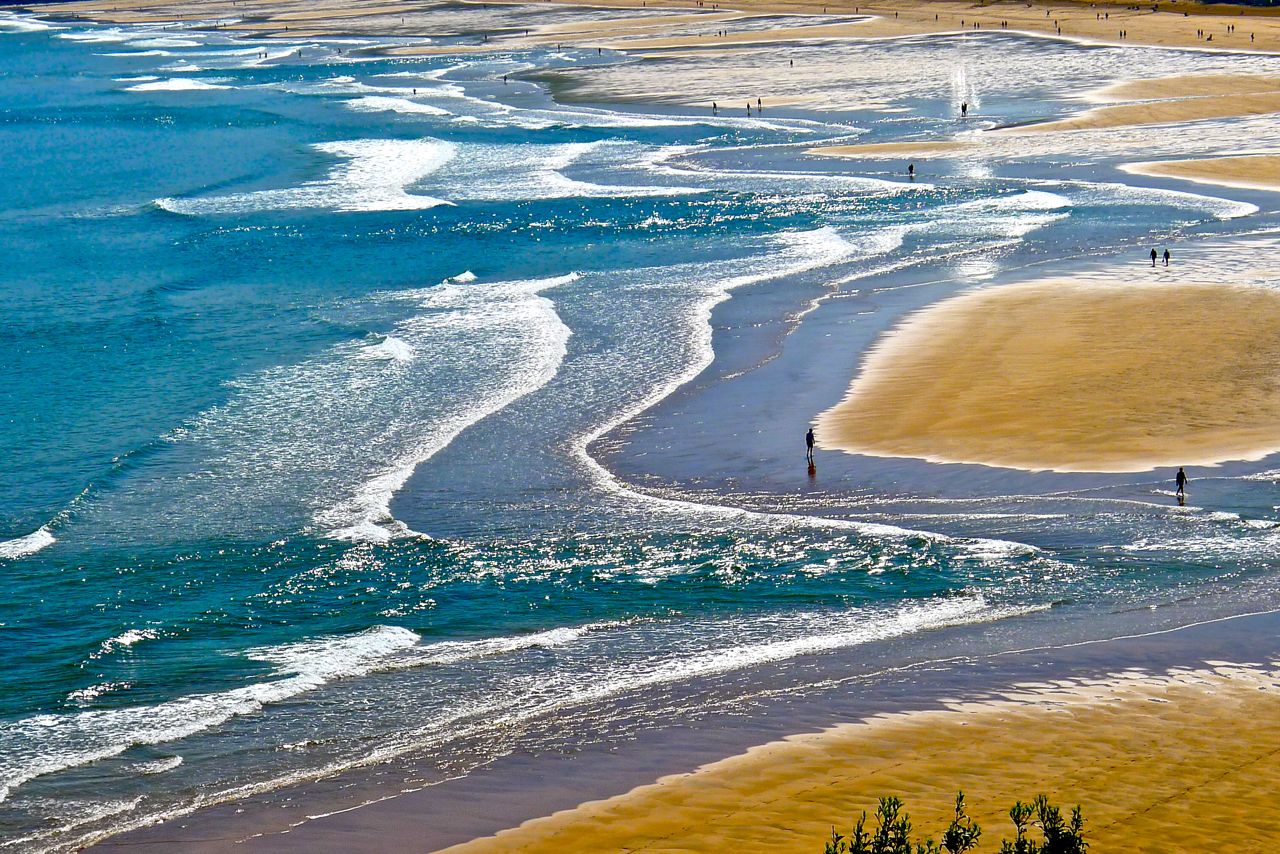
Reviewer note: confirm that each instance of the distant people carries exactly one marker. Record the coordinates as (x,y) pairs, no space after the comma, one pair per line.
(1166,257)
(964,109)
(808,442)
(911,170)
(714,107)
(1154,256)
(1180,480)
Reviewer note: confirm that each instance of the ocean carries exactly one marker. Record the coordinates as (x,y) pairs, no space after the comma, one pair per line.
(362,409)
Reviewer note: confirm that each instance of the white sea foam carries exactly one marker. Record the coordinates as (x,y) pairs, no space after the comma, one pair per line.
(85,696)
(1111,193)
(384,104)
(127,639)
(141,53)
(163,43)
(11,23)
(852,629)
(41,538)
(535,171)
(175,84)
(44,744)
(463,278)
(158,766)
(372,175)
(51,743)
(512,318)
(1030,200)
(107,36)
(390,348)
(797,252)
(73,813)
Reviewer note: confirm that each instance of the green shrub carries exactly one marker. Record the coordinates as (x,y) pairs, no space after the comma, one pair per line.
(892,833)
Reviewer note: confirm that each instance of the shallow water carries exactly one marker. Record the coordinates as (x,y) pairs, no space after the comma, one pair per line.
(307,357)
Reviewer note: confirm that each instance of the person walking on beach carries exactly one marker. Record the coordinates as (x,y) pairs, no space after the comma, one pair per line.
(964,109)
(1154,255)
(808,442)
(1166,257)
(1180,480)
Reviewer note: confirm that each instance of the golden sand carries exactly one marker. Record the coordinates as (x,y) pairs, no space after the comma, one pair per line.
(1161,112)
(1163,100)
(1253,172)
(1068,375)
(1176,762)
(1185,86)
(890,18)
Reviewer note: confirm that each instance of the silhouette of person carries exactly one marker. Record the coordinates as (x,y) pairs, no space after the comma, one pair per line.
(964,108)
(1153,257)
(1166,257)
(808,441)
(1181,480)
(911,170)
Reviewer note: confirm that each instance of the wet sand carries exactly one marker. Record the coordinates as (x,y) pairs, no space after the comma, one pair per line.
(1166,100)
(1250,172)
(1191,109)
(1109,375)
(1178,761)
(888,18)
(1191,751)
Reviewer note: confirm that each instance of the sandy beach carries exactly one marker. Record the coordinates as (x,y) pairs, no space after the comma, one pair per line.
(1175,25)
(1102,375)
(1178,100)
(1249,172)
(1158,762)
(1124,370)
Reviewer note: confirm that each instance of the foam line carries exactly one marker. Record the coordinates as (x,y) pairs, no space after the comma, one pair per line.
(39,539)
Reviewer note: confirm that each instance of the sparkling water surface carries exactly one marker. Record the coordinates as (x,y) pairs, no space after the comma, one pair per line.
(307,355)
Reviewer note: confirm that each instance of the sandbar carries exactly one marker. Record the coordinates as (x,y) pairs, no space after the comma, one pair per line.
(1110,375)
(1256,28)
(1250,172)
(1174,761)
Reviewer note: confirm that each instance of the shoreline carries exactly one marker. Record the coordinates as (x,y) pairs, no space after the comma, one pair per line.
(1073,19)
(301,836)
(1200,755)
(998,376)
(526,800)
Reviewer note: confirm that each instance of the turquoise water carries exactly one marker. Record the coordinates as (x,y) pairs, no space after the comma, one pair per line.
(306,356)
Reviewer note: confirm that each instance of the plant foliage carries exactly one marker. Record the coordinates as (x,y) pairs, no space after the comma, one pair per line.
(1039,829)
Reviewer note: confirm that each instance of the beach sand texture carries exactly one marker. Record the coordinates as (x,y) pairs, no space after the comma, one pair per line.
(1164,100)
(1250,172)
(1068,375)
(1216,97)
(1179,761)
(1168,27)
